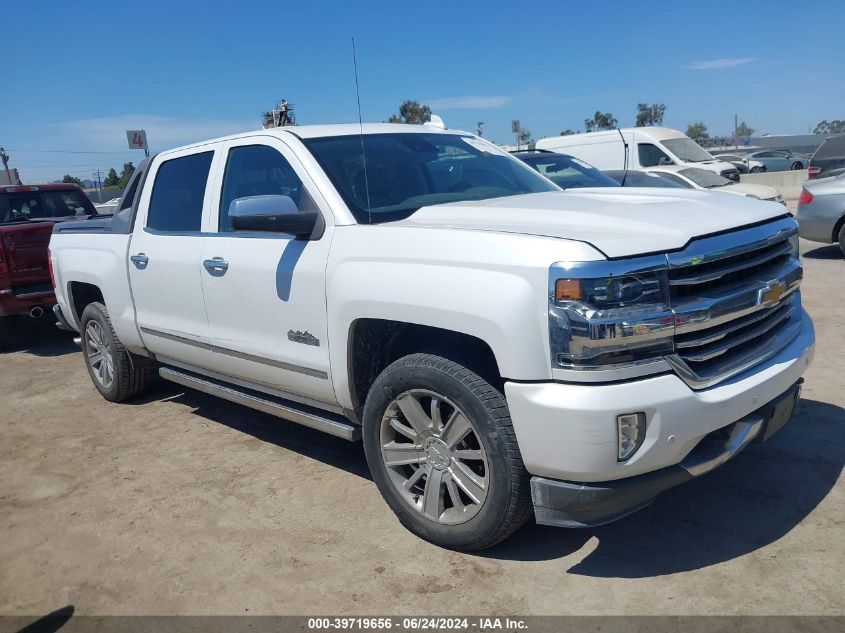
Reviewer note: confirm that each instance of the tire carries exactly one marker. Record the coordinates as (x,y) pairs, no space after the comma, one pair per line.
(842,240)
(451,472)
(119,374)
(756,170)
(796,166)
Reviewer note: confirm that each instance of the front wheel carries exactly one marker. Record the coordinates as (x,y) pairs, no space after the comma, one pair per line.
(756,170)
(442,451)
(116,373)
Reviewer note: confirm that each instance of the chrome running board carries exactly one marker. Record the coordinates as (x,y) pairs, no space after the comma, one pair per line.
(290,411)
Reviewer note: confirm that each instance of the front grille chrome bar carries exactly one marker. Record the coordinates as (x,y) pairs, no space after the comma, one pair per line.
(712,350)
(781,250)
(736,301)
(711,335)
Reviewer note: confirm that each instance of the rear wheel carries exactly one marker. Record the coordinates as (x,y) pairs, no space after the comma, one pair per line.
(796,166)
(116,373)
(842,239)
(442,451)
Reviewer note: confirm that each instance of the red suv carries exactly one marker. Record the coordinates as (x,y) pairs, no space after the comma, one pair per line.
(27,216)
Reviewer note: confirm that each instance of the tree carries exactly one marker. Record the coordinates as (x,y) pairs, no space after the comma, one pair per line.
(567,132)
(524,137)
(697,131)
(600,121)
(111,180)
(126,174)
(830,127)
(744,130)
(72,180)
(649,114)
(411,112)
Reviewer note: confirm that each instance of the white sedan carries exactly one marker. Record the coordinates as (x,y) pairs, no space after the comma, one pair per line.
(695,178)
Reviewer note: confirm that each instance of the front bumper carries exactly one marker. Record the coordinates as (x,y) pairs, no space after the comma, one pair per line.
(567,431)
(572,504)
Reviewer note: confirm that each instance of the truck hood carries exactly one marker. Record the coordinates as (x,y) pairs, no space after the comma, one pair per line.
(619,222)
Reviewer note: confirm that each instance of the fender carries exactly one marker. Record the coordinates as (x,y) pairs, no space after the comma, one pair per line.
(100,260)
(493,287)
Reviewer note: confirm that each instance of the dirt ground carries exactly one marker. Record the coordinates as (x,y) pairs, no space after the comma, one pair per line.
(183,504)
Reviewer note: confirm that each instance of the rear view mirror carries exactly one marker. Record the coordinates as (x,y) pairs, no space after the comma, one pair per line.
(665,160)
(274,214)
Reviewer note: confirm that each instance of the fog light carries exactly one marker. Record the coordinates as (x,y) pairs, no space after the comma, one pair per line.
(630,433)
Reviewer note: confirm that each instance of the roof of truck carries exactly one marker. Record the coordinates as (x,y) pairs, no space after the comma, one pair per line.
(350,129)
(317,131)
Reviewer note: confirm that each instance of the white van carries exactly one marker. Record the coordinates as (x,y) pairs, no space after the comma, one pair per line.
(647,147)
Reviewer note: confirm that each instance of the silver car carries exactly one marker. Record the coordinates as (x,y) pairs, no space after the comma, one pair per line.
(821,210)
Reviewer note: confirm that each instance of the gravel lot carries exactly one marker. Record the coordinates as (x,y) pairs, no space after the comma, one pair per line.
(183,504)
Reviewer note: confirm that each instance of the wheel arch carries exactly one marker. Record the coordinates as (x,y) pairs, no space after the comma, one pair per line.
(81,294)
(374,343)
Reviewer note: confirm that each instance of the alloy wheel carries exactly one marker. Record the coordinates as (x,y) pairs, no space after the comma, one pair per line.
(100,356)
(434,457)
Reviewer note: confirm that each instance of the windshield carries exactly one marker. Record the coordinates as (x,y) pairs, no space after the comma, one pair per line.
(687,150)
(641,179)
(33,205)
(406,171)
(568,172)
(705,178)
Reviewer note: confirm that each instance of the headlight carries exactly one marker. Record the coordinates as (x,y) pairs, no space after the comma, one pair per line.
(619,318)
(608,292)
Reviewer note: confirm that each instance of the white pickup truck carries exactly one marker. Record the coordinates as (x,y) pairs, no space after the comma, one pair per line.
(503,348)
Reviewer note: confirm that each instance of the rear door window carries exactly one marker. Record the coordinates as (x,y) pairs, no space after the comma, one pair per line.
(178,194)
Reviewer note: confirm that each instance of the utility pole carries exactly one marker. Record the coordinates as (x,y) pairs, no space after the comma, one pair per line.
(479,128)
(5,158)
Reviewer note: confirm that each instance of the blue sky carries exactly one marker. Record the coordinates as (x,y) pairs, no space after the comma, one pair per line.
(77,74)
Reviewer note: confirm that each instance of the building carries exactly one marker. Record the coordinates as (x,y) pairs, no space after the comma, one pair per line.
(5,178)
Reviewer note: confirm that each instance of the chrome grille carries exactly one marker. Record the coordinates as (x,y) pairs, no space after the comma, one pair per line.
(735,301)
(693,280)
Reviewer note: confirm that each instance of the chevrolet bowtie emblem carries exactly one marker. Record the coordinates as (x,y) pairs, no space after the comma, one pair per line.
(771,294)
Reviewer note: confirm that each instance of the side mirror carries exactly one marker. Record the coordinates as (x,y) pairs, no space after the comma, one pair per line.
(274,214)
(665,160)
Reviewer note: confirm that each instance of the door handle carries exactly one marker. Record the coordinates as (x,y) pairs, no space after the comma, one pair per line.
(140,260)
(216,264)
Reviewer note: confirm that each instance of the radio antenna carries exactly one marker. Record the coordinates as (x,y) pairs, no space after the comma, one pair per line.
(625,154)
(361,128)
